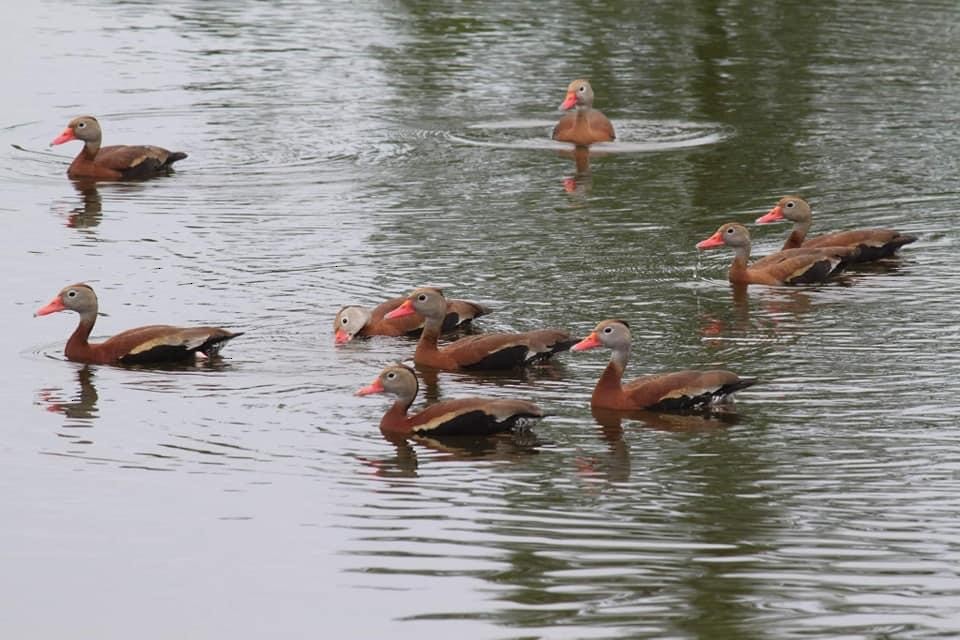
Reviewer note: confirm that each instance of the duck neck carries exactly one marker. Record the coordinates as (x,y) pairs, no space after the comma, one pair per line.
(91,148)
(78,345)
(797,235)
(395,419)
(610,380)
(738,268)
(428,339)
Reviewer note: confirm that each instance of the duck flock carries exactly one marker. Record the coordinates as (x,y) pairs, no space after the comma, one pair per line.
(429,313)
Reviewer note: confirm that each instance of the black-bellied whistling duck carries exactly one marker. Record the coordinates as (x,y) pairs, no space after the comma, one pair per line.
(491,351)
(151,344)
(871,244)
(354,320)
(791,266)
(680,390)
(116,162)
(466,416)
(585,125)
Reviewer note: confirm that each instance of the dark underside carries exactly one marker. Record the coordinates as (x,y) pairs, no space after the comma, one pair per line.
(476,422)
(702,401)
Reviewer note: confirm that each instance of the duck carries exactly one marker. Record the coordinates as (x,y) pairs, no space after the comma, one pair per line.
(115,162)
(585,125)
(355,320)
(465,416)
(787,267)
(871,244)
(486,352)
(676,391)
(152,344)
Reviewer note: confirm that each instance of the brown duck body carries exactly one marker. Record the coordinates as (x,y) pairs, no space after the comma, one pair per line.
(115,162)
(353,320)
(678,390)
(491,351)
(869,244)
(143,345)
(465,416)
(791,266)
(584,125)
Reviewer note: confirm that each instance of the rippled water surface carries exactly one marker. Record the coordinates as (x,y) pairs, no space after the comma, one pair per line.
(345,153)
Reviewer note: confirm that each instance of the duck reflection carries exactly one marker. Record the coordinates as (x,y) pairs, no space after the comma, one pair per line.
(89,212)
(615,465)
(774,306)
(611,421)
(548,370)
(581,181)
(81,408)
(513,445)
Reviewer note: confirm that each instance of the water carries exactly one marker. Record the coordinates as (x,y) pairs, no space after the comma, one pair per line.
(347,153)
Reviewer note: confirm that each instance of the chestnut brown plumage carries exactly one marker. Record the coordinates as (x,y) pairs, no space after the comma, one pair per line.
(870,244)
(115,162)
(465,416)
(679,390)
(791,266)
(353,320)
(490,351)
(585,125)
(143,345)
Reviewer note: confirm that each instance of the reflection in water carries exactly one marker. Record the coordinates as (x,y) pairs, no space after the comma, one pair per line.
(80,408)
(615,466)
(89,212)
(718,417)
(512,446)
(580,182)
(553,369)
(777,305)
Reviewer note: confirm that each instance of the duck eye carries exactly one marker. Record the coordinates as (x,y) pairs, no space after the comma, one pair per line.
(391,375)
(608,329)
(729,229)
(422,297)
(791,204)
(344,320)
(71,294)
(81,125)
(583,88)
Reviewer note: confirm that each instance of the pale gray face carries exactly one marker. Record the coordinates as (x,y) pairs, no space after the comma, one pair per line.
(794,208)
(399,380)
(583,92)
(85,128)
(734,235)
(349,321)
(79,298)
(429,302)
(613,334)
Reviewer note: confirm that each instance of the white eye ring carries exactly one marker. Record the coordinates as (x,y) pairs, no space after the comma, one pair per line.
(608,329)
(344,320)
(422,297)
(81,125)
(391,375)
(71,294)
(791,204)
